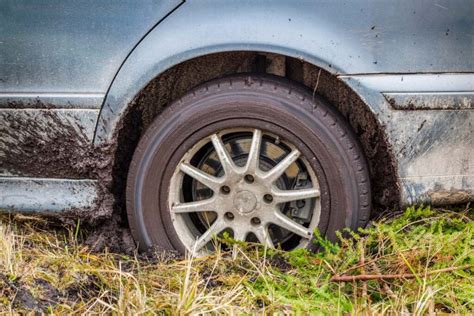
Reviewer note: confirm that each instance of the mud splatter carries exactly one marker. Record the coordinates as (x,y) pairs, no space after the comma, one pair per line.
(450,197)
(50,144)
(57,144)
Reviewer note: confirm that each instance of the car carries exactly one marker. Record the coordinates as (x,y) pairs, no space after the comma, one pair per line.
(267,120)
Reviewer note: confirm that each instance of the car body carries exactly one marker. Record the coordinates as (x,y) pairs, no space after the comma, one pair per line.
(72,74)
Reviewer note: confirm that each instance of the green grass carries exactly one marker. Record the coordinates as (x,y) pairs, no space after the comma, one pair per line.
(430,254)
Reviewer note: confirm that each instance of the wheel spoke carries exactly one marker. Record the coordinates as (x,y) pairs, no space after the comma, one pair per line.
(224,157)
(218,226)
(211,182)
(197,206)
(263,236)
(253,159)
(240,234)
(281,167)
(282,196)
(290,225)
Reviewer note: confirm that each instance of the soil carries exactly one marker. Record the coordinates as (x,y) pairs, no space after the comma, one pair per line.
(23,298)
(280,262)
(111,233)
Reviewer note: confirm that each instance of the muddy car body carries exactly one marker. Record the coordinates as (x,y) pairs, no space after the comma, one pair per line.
(81,83)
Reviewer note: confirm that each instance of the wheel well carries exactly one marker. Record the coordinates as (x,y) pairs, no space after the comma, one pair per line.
(176,81)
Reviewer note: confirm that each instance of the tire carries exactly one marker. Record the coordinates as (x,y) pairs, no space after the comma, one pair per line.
(281,108)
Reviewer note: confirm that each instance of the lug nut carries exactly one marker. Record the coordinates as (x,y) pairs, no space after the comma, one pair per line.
(268,198)
(249,178)
(229,216)
(255,221)
(225,189)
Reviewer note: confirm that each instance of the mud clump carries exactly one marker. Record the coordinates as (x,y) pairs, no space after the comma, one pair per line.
(280,262)
(83,290)
(111,234)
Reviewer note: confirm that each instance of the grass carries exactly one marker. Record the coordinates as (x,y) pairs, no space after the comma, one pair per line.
(419,262)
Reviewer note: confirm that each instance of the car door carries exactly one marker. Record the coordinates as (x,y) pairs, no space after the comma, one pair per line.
(57,60)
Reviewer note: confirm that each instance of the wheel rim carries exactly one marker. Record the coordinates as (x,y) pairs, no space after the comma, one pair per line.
(249,183)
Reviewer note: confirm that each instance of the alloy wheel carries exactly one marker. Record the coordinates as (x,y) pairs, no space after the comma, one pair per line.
(249,183)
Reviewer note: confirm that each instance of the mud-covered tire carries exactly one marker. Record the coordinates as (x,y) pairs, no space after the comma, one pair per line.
(253,101)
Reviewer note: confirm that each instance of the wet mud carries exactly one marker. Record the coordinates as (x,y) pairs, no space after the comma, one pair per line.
(450,197)
(50,144)
(57,144)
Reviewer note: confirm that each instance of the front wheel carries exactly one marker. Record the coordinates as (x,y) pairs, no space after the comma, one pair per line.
(257,157)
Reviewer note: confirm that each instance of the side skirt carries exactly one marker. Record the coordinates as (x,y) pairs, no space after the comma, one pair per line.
(37,195)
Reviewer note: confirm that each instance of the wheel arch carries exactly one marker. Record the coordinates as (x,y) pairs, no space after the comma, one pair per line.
(139,70)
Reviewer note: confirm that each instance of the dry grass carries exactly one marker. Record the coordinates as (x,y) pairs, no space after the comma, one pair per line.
(53,272)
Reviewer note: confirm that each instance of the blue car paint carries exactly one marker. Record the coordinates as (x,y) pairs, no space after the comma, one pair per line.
(69,46)
(383,50)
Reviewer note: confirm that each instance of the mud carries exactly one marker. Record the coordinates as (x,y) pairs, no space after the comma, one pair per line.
(23,298)
(176,82)
(52,144)
(280,262)
(102,228)
(49,144)
(434,101)
(439,198)
(112,234)
(39,295)
(35,104)
(50,102)
(45,295)
(56,144)
(87,287)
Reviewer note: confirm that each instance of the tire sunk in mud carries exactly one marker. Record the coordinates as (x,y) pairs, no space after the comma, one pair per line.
(258,157)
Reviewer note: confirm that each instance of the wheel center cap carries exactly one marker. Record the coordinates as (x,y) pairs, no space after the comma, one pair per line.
(245,202)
